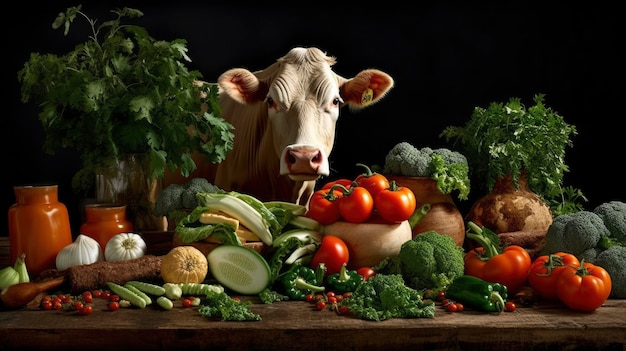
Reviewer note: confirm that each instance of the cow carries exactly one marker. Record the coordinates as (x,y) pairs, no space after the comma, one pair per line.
(284,119)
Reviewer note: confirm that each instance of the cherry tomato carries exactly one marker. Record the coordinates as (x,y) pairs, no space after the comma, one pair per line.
(320,305)
(324,206)
(584,288)
(77,305)
(113,306)
(509,306)
(87,309)
(451,307)
(459,306)
(87,297)
(46,305)
(187,302)
(372,181)
(333,252)
(544,272)
(356,205)
(396,203)
(366,273)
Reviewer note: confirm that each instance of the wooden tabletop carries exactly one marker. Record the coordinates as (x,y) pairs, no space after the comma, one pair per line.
(296,325)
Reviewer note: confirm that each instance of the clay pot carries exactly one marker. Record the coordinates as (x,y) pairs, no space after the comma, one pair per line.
(511,209)
(443,216)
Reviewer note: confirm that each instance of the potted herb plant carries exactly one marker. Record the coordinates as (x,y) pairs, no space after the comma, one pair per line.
(124,100)
(519,152)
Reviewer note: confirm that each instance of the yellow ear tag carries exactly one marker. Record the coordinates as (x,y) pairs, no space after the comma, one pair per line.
(367,97)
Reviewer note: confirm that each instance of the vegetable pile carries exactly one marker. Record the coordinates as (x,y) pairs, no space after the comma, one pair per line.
(597,236)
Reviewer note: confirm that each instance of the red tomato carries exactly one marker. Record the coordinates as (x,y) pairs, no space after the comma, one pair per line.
(372,181)
(324,207)
(356,205)
(366,272)
(544,272)
(509,268)
(584,288)
(113,306)
(333,252)
(396,203)
(87,296)
(345,182)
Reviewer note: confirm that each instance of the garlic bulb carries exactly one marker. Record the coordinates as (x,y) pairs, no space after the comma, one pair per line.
(84,250)
(125,246)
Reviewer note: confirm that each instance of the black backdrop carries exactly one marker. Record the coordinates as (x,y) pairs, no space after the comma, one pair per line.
(445,60)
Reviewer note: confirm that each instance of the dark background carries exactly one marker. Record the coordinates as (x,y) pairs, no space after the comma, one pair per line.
(445,60)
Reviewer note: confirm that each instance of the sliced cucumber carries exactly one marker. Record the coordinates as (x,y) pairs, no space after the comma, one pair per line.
(239,268)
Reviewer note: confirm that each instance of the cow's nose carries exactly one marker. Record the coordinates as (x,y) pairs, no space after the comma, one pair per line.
(304,160)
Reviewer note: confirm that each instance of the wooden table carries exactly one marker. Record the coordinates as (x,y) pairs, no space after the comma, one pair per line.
(296,325)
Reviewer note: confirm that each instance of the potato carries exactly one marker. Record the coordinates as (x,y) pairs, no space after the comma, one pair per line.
(371,241)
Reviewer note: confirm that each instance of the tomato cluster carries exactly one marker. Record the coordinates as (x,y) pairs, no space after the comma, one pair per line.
(356,200)
(82,303)
(581,286)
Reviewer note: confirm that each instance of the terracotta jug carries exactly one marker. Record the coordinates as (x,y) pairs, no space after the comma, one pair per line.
(443,216)
(39,227)
(103,221)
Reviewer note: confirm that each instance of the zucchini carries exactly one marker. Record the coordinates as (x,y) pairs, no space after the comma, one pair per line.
(240,269)
(126,294)
(147,288)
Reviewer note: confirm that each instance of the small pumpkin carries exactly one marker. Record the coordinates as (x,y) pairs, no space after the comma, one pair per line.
(184,264)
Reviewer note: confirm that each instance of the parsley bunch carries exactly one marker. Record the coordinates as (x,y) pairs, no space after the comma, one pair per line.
(122,92)
(508,139)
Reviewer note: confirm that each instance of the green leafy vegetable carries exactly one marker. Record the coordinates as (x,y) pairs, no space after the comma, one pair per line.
(123,92)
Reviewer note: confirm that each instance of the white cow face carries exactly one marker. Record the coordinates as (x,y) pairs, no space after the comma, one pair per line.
(303,104)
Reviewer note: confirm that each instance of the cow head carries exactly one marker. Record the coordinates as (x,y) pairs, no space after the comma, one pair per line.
(297,100)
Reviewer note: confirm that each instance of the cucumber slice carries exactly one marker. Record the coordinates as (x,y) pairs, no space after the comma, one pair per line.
(239,268)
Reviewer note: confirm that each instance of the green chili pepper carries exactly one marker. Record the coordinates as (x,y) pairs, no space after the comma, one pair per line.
(344,281)
(299,281)
(477,293)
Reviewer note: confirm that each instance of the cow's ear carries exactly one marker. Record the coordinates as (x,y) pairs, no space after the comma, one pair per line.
(366,88)
(242,86)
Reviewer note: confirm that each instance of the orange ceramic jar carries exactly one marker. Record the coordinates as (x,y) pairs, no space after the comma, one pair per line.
(104,221)
(39,227)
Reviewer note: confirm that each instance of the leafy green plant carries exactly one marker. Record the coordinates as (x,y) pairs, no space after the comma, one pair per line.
(508,138)
(123,92)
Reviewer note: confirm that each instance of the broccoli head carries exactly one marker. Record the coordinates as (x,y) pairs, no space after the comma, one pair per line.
(428,257)
(449,168)
(613,260)
(613,214)
(575,233)
(169,199)
(192,188)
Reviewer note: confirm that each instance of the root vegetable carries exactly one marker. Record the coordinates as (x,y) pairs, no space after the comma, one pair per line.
(18,295)
(96,275)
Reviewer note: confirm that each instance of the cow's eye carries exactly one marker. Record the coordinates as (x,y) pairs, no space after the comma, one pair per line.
(269,101)
(337,101)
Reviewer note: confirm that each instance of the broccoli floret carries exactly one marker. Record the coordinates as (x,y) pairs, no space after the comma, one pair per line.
(451,157)
(613,214)
(575,233)
(169,199)
(385,296)
(192,188)
(449,168)
(426,261)
(613,260)
(407,160)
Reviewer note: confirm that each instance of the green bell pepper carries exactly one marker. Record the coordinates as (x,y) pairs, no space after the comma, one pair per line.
(477,293)
(344,281)
(299,281)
